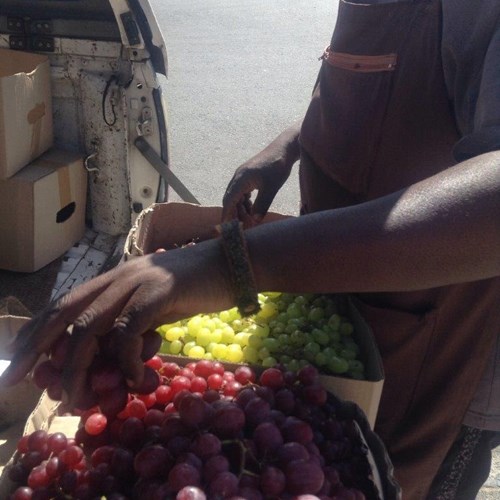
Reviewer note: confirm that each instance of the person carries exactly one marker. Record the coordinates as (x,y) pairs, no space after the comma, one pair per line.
(400,189)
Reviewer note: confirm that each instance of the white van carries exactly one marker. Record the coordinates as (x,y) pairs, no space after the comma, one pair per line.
(106,61)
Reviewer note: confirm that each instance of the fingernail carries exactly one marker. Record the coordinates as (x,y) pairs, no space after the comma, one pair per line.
(130,382)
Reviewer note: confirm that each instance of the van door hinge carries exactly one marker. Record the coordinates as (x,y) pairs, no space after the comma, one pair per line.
(30,34)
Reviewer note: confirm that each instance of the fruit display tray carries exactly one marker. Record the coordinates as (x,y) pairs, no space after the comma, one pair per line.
(170,225)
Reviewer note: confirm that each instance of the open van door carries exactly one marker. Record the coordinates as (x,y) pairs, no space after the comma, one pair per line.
(105,57)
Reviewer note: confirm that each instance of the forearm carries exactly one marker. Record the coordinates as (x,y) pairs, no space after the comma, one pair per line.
(285,145)
(445,229)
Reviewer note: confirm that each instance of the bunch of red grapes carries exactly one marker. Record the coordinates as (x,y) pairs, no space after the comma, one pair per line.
(199,432)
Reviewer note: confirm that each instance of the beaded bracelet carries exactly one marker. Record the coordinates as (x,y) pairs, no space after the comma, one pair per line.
(236,250)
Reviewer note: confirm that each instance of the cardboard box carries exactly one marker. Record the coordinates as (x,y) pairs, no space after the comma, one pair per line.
(168,225)
(45,414)
(16,403)
(43,211)
(25,109)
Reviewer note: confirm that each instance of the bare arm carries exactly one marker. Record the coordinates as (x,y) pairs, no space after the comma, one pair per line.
(445,229)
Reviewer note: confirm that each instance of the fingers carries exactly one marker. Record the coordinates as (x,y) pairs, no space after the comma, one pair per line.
(137,316)
(37,335)
(93,322)
(262,203)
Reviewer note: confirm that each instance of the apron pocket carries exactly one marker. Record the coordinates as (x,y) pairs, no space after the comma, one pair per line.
(343,123)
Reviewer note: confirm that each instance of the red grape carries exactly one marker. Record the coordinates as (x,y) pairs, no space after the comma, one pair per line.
(303,477)
(272,481)
(272,377)
(182,475)
(223,485)
(190,493)
(153,461)
(95,424)
(244,375)
(267,437)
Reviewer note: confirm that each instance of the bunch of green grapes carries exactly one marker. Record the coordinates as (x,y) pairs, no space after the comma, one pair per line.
(290,330)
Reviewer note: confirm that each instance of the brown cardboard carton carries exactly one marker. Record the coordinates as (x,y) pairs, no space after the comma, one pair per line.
(41,412)
(16,403)
(25,109)
(43,211)
(167,225)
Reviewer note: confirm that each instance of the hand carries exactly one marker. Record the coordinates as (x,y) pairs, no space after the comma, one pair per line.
(266,172)
(125,302)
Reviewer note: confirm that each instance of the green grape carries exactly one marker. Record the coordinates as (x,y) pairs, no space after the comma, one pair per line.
(293,365)
(271,344)
(189,338)
(267,310)
(216,335)
(238,325)
(175,347)
(194,324)
(174,333)
(227,335)
(303,362)
(356,365)
(264,353)
(204,336)
(269,362)
(208,355)
(320,336)
(337,365)
(210,346)
(329,352)
(282,305)
(335,337)
(276,328)
(241,338)
(346,328)
(272,295)
(234,353)
(300,300)
(255,341)
(262,330)
(225,316)
(187,347)
(284,359)
(320,359)
(196,352)
(334,322)
(210,324)
(297,338)
(219,351)
(283,318)
(348,343)
(165,347)
(283,340)
(297,322)
(316,313)
(312,347)
(294,311)
(234,314)
(250,354)
(347,354)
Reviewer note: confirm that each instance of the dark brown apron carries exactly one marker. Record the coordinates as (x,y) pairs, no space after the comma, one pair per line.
(380,119)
